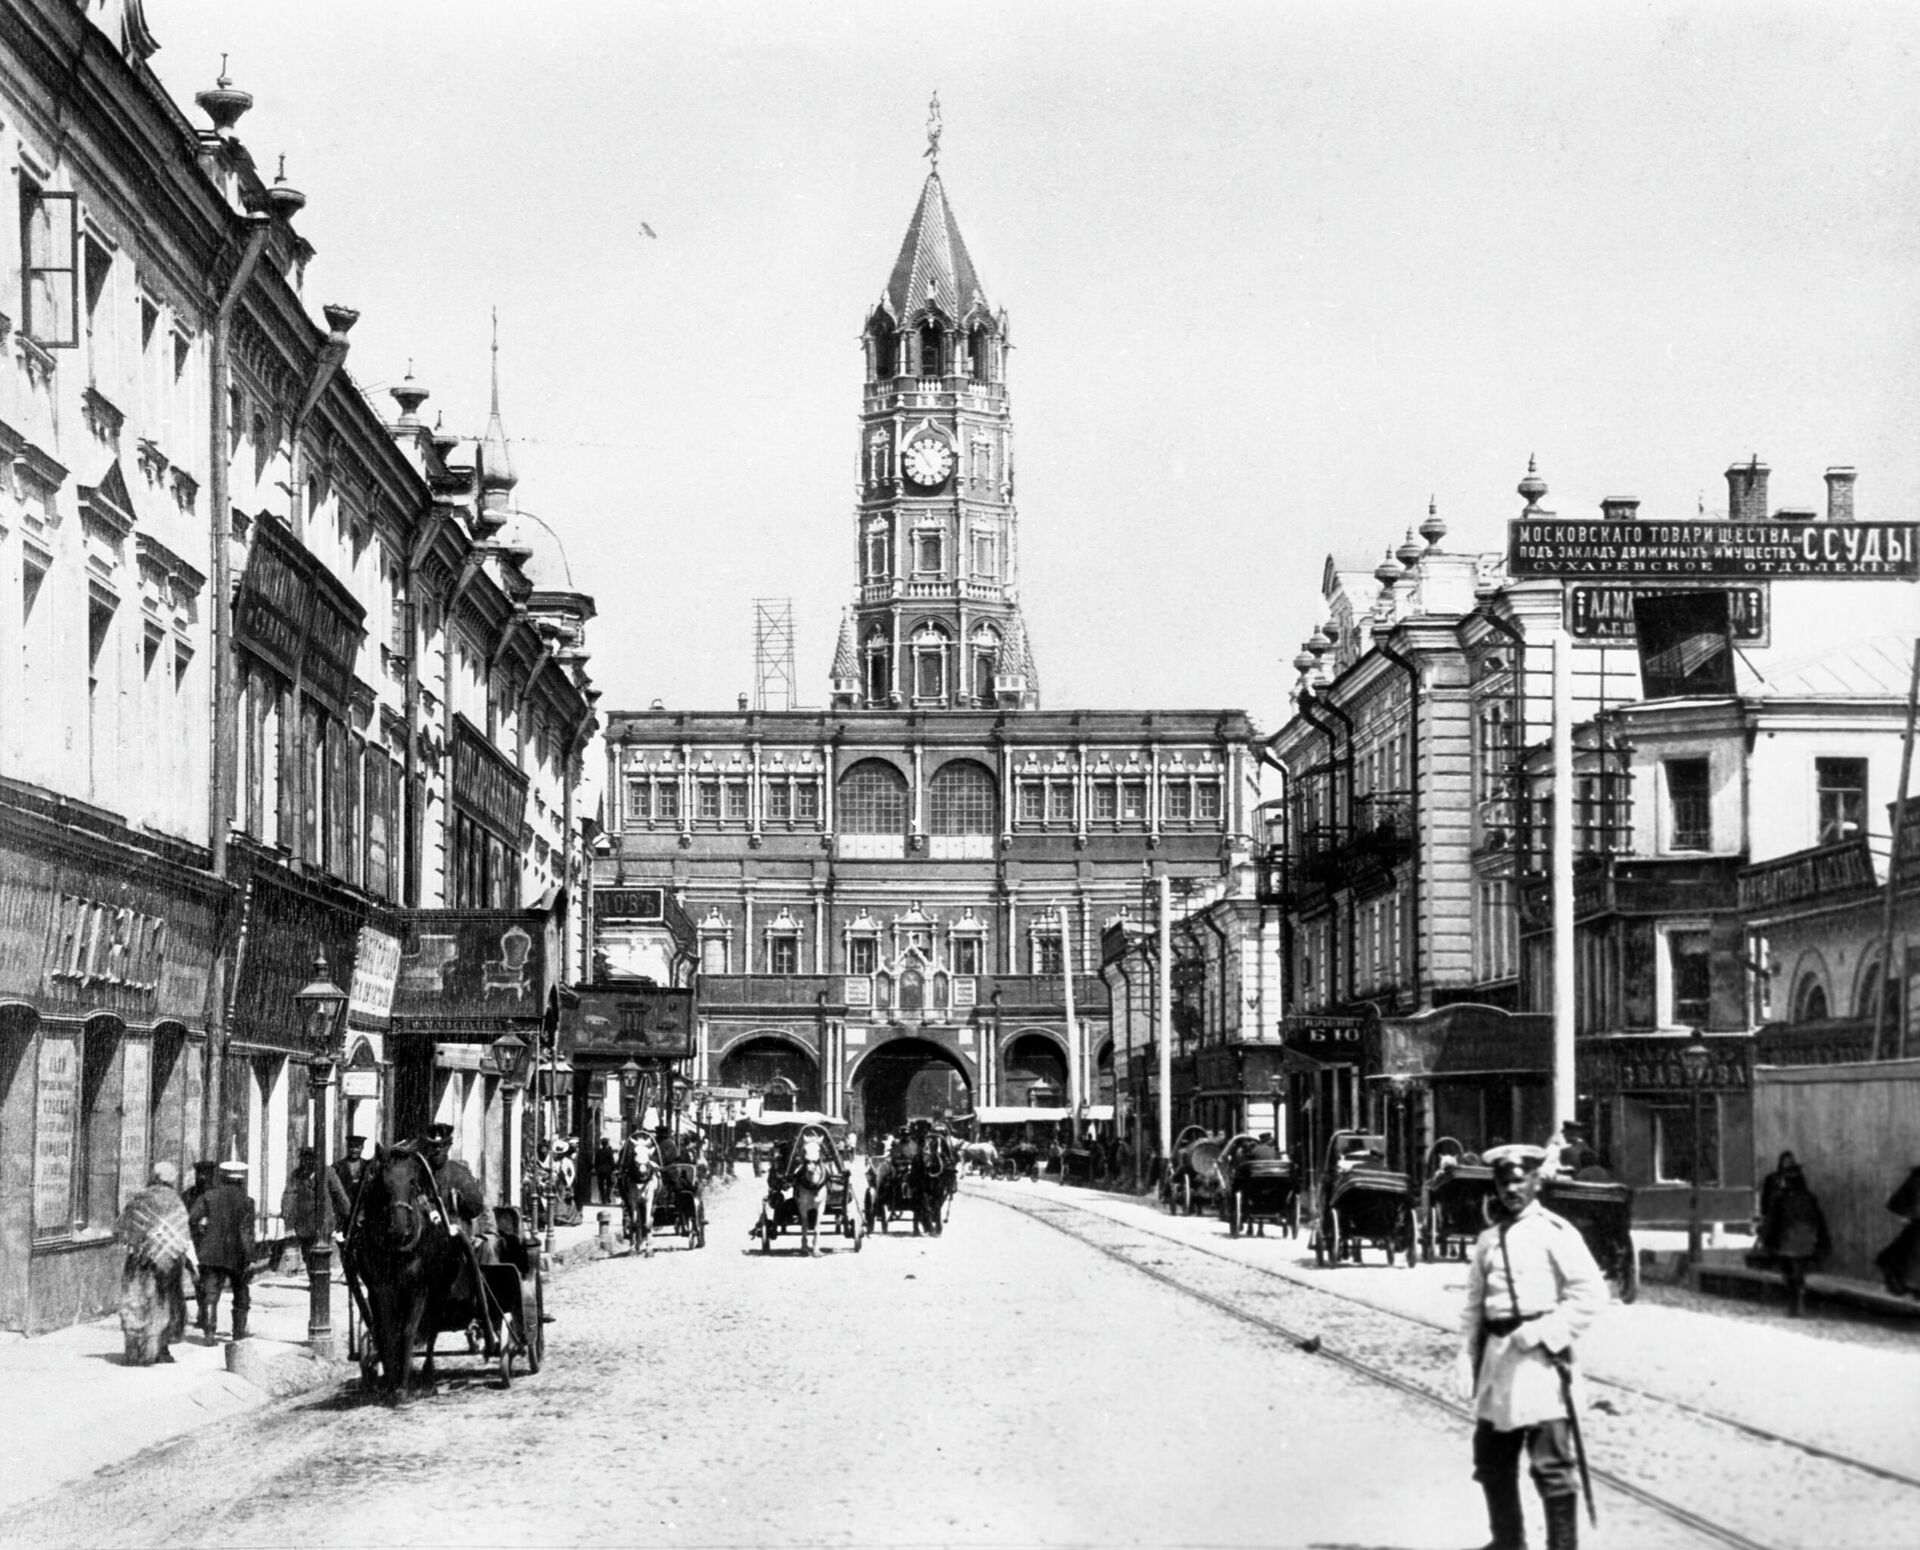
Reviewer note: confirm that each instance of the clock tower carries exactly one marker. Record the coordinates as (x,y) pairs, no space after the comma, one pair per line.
(935,623)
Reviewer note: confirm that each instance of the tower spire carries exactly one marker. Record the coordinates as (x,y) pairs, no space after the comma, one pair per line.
(496,363)
(497,477)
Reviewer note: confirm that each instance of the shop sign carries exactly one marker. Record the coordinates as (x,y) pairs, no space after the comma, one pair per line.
(1466,1040)
(1597,611)
(376,966)
(286,928)
(1907,873)
(641,904)
(56,1111)
(291,612)
(359,1084)
(1324,1038)
(1702,550)
(650,1021)
(472,974)
(1826,872)
(136,1066)
(1653,1065)
(486,783)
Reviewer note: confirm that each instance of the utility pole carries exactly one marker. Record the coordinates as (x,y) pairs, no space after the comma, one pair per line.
(1076,1077)
(1887,970)
(1564,1093)
(1163,1031)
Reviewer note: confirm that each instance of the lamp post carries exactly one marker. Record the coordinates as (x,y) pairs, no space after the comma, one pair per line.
(630,1085)
(323,1004)
(1697,1059)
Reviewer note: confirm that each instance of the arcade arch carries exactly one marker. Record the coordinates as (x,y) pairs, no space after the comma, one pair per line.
(903,1080)
(773,1061)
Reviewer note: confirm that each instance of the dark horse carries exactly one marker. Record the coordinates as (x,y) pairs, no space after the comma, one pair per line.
(412,1266)
(931,1179)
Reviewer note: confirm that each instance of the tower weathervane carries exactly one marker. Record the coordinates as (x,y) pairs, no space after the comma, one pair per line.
(933,130)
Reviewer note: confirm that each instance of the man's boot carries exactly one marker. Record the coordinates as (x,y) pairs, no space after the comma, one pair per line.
(1505,1516)
(1563,1522)
(239,1326)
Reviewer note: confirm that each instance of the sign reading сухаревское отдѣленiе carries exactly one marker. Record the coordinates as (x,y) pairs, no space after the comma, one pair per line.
(1715,550)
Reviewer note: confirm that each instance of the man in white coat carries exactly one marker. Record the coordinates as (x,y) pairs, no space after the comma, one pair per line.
(1532,1289)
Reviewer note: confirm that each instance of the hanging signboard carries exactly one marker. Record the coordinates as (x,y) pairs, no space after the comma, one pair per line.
(471,975)
(376,967)
(1712,551)
(642,904)
(1823,874)
(1604,611)
(1339,1039)
(644,1021)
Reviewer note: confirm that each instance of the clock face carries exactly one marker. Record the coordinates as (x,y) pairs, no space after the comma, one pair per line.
(928,461)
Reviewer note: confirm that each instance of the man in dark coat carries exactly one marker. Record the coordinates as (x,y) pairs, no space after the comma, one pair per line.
(343,1181)
(222,1223)
(459,1190)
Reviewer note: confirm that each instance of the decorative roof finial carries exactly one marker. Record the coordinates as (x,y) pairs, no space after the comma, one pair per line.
(1532,488)
(496,360)
(933,131)
(1435,527)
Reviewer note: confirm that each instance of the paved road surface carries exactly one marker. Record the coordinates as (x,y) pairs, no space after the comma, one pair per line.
(1004,1385)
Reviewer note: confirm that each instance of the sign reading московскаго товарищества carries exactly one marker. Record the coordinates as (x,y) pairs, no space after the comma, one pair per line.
(1833,550)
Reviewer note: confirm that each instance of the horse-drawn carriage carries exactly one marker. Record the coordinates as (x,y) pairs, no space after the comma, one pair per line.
(1358,1202)
(1602,1209)
(414,1276)
(811,1182)
(1454,1200)
(1256,1190)
(662,1187)
(1192,1179)
(917,1177)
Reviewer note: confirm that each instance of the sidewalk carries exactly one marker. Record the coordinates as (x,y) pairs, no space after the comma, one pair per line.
(73,1408)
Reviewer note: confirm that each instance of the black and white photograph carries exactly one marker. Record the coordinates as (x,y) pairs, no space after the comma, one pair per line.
(1020,775)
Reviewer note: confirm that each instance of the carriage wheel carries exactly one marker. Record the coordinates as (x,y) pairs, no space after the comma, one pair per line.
(1340,1249)
(766,1233)
(859,1234)
(1186,1196)
(1234,1225)
(505,1361)
(1426,1236)
(1318,1235)
(1628,1288)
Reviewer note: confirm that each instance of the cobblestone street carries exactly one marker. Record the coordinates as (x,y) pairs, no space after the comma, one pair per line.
(959,1391)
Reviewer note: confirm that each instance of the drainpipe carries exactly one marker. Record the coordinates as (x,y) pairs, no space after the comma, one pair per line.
(1265,752)
(220,499)
(1306,703)
(1406,665)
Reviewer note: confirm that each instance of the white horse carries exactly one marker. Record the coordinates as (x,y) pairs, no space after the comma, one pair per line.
(639,1174)
(980,1158)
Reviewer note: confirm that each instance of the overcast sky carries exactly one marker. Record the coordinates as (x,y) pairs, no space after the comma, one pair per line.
(1274,273)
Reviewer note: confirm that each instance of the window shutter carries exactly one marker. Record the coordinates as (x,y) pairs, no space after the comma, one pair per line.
(51,270)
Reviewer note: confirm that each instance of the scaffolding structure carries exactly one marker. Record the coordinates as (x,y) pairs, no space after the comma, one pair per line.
(773,653)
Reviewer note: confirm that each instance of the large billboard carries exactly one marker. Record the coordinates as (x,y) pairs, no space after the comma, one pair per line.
(1714,551)
(470,975)
(648,1022)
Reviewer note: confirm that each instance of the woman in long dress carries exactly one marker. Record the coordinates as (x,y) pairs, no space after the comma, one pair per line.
(153,1282)
(1793,1229)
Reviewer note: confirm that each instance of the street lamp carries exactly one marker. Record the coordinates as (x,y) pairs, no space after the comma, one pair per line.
(630,1085)
(323,1005)
(1696,1058)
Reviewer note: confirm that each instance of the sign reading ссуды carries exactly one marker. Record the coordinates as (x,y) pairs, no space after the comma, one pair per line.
(1733,551)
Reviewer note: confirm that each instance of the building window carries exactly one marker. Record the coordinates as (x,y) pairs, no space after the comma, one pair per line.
(927,554)
(1104,798)
(1810,1001)
(873,799)
(1688,969)
(966,955)
(737,801)
(779,802)
(929,669)
(1689,805)
(783,955)
(1033,801)
(877,566)
(1059,801)
(1046,954)
(713,953)
(1206,801)
(806,801)
(707,796)
(986,556)
(50,267)
(1673,1148)
(961,799)
(666,801)
(1842,785)
(1179,802)
(863,955)
(1133,800)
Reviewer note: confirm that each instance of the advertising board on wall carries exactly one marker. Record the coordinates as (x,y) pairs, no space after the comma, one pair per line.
(1604,611)
(472,974)
(1703,550)
(642,1021)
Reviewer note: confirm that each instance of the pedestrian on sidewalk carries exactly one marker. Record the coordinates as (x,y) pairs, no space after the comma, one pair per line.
(343,1181)
(159,1244)
(223,1221)
(1793,1230)
(1899,1261)
(1532,1289)
(299,1211)
(603,1169)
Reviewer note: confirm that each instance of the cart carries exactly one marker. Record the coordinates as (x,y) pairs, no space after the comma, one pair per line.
(1359,1202)
(1602,1210)
(840,1213)
(1453,1200)
(1192,1178)
(1256,1190)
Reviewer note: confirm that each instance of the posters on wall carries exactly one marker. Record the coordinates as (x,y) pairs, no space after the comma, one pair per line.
(56,1112)
(136,1076)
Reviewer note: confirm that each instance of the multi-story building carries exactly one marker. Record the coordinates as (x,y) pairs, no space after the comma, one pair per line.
(275,692)
(1415,873)
(879,901)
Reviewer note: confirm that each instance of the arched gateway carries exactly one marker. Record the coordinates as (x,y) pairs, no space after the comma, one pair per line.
(906,1079)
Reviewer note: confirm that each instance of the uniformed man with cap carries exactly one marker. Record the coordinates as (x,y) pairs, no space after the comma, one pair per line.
(1532,1289)
(459,1190)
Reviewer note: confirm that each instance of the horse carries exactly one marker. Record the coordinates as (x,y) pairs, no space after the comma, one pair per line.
(401,1246)
(931,1182)
(981,1158)
(807,1176)
(639,1174)
(683,1182)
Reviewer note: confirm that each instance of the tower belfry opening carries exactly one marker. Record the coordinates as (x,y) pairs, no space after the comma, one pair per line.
(773,681)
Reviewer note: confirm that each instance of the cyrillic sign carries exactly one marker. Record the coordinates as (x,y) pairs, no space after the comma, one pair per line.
(1733,551)
(1600,611)
(1829,872)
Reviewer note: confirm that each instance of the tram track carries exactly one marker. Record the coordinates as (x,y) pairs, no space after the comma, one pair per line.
(1675,1445)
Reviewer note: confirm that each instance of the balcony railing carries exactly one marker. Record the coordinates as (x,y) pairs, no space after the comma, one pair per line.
(767,989)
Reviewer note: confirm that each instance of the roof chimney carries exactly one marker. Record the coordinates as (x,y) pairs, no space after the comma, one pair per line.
(1840,494)
(1747,491)
(1620,508)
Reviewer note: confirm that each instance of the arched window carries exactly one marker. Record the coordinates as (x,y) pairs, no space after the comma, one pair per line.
(1810,1001)
(879,670)
(913,990)
(886,352)
(960,799)
(986,660)
(872,799)
(932,350)
(979,345)
(930,644)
